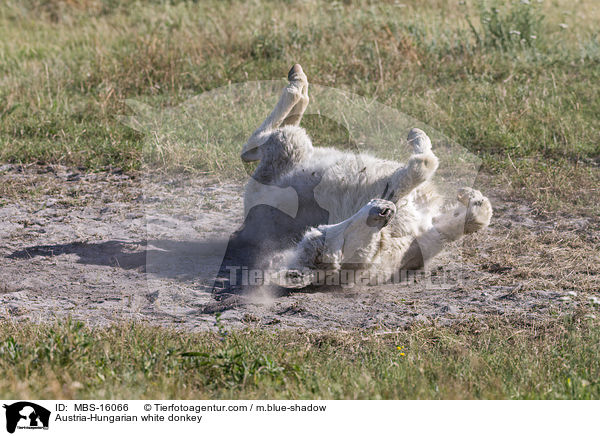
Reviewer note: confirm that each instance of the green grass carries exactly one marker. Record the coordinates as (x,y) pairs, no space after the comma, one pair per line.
(475,361)
(473,71)
(527,106)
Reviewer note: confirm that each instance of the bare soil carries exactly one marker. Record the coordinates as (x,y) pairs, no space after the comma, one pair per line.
(106,247)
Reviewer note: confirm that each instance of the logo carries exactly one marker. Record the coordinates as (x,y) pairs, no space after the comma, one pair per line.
(26,415)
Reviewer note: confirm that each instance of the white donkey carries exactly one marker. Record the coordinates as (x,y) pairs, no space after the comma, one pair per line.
(350,211)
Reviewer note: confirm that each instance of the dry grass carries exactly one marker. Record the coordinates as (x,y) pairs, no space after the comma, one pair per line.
(526,251)
(528,109)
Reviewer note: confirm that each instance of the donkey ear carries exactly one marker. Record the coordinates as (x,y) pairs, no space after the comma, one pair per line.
(5,406)
(251,155)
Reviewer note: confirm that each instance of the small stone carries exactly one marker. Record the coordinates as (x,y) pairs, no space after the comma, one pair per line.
(452,310)
(152,296)
(572,293)
(14,310)
(421,319)
(50,202)
(134,215)
(595,301)
(564,298)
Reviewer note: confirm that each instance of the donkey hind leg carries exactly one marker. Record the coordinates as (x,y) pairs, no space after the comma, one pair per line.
(288,111)
(419,168)
(473,214)
(297,77)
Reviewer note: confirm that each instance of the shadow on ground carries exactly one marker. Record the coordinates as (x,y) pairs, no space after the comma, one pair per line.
(182,260)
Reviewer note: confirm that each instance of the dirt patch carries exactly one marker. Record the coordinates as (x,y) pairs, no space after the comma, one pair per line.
(105,247)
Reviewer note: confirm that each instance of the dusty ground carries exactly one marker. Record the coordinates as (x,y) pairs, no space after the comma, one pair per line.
(104,247)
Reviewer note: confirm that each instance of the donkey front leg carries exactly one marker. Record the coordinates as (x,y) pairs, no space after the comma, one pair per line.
(419,168)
